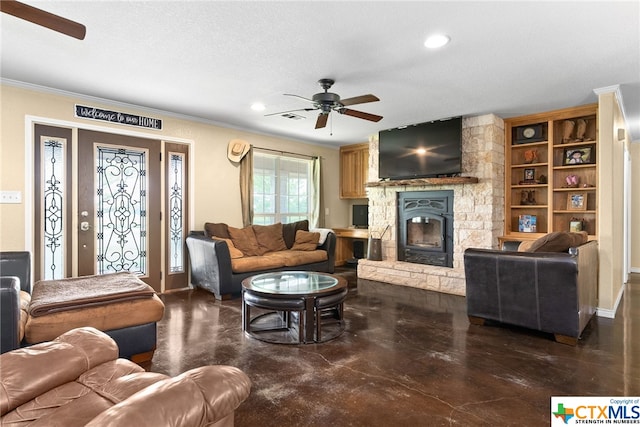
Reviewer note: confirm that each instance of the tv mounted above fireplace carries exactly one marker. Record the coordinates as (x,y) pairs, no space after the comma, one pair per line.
(425,150)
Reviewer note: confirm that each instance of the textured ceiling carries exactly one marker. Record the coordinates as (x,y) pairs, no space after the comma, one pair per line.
(212,59)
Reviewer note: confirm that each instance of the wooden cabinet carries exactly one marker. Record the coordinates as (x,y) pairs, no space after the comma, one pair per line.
(551,173)
(354,171)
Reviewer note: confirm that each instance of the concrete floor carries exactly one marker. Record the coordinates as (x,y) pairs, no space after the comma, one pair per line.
(406,357)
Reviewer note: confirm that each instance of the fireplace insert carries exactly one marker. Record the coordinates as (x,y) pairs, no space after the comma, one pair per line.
(425,227)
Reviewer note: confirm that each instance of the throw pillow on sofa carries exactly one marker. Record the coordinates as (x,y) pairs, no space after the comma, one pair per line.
(233,251)
(218,229)
(289,231)
(558,241)
(270,238)
(306,241)
(245,240)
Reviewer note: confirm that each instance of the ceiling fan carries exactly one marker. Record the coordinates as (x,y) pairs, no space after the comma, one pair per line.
(327,102)
(43,18)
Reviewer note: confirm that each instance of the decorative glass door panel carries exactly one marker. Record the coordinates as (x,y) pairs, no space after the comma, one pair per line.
(53,212)
(53,231)
(177,209)
(121,210)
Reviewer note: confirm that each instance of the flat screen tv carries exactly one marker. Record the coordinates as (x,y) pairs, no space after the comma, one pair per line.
(425,150)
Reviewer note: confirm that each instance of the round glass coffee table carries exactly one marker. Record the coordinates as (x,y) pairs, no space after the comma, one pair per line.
(293,306)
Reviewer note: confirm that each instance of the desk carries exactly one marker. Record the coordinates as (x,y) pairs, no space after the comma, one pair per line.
(344,242)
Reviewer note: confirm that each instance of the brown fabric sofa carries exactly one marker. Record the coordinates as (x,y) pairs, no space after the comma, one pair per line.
(77,380)
(222,256)
(550,285)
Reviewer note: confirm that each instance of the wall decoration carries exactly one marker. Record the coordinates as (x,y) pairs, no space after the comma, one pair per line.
(94,113)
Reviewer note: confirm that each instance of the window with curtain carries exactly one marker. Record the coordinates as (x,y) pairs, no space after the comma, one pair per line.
(282,188)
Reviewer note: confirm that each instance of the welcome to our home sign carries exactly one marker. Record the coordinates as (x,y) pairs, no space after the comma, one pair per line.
(116,117)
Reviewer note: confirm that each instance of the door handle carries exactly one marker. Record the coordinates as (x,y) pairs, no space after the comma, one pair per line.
(84,226)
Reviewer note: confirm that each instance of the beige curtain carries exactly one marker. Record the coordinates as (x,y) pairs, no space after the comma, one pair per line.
(317,208)
(246,188)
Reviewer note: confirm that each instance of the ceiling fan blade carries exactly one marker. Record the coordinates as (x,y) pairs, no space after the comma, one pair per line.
(322,120)
(359,100)
(360,114)
(43,18)
(290,111)
(298,96)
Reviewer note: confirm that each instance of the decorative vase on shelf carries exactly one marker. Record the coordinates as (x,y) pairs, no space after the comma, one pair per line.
(531,156)
(572,181)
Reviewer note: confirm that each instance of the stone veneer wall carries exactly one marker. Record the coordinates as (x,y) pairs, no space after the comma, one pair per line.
(478,211)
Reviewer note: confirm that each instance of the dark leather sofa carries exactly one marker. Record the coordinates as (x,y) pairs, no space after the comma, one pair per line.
(15,276)
(136,342)
(211,266)
(546,291)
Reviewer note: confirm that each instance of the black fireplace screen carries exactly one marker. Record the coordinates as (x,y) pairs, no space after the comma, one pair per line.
(425,227)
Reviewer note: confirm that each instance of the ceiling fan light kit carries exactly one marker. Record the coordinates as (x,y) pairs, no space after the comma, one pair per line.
(327,102)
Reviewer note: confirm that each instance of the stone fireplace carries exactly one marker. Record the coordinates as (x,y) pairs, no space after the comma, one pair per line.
(477,211)
(425,227)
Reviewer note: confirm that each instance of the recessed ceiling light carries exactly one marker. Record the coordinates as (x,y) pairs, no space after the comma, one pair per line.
(437,40)
(257,106)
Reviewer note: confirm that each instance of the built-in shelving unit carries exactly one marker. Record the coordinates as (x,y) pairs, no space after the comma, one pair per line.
(551,172)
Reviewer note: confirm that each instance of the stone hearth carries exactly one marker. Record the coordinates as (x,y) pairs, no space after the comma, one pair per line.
(478,210)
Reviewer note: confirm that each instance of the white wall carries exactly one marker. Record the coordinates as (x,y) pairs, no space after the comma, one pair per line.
(634,150)
(610,203)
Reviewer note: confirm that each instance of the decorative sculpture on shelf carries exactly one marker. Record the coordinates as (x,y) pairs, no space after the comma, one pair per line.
(572,181)
(581,130)
(531,156)
(567,130)
(528,197)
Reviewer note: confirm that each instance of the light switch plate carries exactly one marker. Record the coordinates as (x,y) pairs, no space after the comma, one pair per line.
(10,197)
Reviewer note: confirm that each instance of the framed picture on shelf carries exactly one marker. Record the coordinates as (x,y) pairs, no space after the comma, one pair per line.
(529,175)
(527,223)
(577,201)
(579,155)
(576,225)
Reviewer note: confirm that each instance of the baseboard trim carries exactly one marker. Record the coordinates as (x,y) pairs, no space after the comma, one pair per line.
(611,312)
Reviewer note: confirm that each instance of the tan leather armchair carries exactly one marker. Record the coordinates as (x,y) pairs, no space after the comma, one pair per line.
(78,380)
